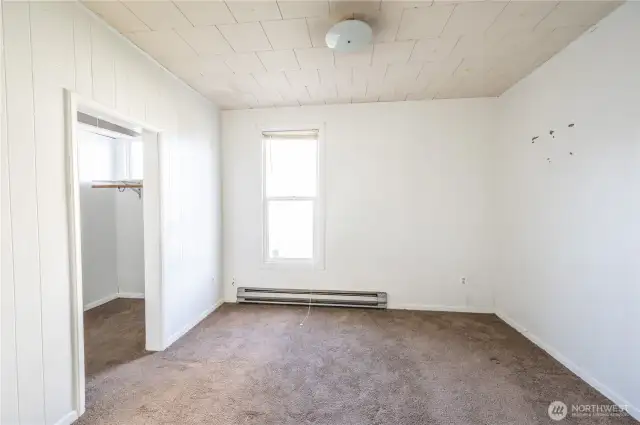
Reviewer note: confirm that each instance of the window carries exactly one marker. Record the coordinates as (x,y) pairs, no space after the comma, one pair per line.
(135,160)
(129,164)
(97,156)
(291,196)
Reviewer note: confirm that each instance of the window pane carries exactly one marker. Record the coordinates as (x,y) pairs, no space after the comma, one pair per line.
(121,162)
(290,229)
(291,167)
(135,160)
(95,156)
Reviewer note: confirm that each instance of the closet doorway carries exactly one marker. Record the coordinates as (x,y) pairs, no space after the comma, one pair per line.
(110,170)
(114,233)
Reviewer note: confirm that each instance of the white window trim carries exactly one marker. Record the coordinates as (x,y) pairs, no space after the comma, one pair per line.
(317,262)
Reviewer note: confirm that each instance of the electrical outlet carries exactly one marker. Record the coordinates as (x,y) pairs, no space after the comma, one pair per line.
(233,282)
(463,280)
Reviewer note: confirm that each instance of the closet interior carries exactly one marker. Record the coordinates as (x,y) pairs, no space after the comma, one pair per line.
(110,168)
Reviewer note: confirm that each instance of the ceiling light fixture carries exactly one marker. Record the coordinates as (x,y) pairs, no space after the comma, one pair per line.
(349,36)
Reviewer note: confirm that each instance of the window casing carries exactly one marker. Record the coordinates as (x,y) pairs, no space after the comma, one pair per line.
(293,227)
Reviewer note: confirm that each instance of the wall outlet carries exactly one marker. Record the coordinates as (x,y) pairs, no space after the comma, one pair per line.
(463,280)
(233,282)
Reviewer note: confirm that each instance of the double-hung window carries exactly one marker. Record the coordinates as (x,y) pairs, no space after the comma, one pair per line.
(291,197)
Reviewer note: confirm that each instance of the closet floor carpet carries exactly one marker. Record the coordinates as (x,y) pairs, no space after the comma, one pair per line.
(250,364)
(113,335)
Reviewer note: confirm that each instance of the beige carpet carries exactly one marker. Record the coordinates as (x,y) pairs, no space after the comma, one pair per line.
(249,364)
(113,335)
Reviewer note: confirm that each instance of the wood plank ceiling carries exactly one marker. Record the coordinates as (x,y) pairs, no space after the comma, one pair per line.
(252,54)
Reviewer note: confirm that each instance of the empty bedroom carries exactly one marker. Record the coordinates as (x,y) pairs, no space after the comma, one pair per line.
(320,212)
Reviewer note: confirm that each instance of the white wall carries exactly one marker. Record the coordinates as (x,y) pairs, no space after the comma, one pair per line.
(193,221)
(129,243)
(50,46)
(406,200)
(569,233)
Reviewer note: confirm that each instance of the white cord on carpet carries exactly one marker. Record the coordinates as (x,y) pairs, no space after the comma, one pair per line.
(308,310)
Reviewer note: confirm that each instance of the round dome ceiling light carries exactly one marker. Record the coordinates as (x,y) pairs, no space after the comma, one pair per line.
(349,36)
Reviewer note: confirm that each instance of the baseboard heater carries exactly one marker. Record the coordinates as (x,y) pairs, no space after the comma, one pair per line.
(319,297)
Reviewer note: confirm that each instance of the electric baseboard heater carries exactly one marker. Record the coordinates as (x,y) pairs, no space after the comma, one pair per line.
(312,297)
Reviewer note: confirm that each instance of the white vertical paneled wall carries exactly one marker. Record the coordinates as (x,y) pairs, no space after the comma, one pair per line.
(23,198)
(568,274)
(8,360)
(191,175)
(49,47)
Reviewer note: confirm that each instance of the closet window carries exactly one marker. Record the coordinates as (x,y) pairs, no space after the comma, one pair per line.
(98,157)
(135,160)
(130,165)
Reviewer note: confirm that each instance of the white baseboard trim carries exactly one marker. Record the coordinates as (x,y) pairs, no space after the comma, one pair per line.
(634,411)
(445,308)
(176,336)
(112,297)
(136,295)
(68,419)
(101,301)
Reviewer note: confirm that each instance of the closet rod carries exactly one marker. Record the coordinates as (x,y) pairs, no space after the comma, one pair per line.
(116,185)
(122,185)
